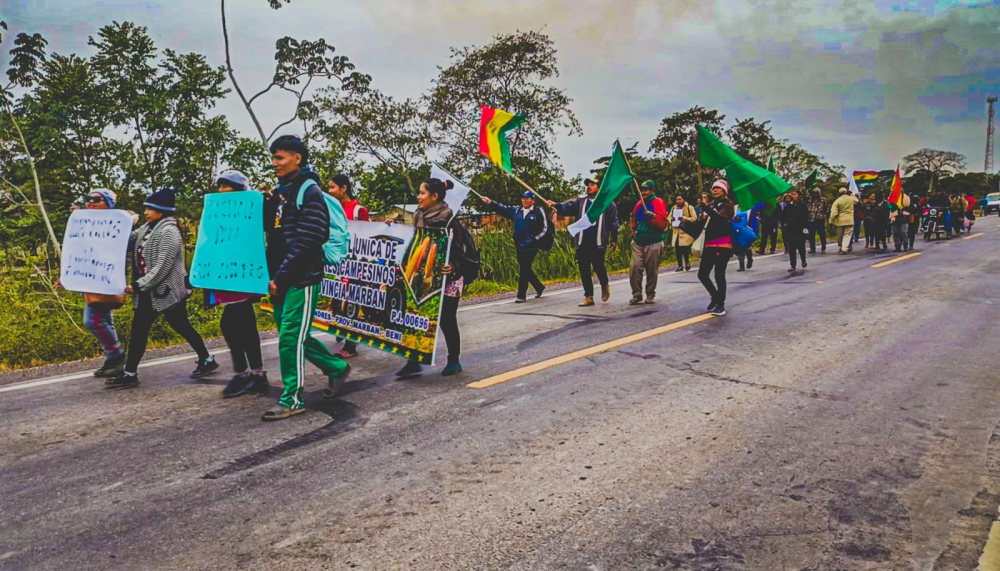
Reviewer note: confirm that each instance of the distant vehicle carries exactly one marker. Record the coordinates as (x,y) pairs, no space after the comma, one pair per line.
(992,203)
(933,223)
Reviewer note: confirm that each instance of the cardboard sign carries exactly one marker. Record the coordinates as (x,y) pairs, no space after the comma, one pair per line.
(229,254)
(94,248)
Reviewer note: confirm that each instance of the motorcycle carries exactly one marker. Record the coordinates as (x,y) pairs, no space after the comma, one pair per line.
(933,223)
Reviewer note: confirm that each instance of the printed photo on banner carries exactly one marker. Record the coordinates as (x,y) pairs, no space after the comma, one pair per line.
(94,248)
(229,254)
(387,292)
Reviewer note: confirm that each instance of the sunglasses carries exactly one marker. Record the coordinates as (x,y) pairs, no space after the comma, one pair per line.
(94,199)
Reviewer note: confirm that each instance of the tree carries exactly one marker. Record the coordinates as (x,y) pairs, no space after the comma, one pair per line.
(376,126)
(26,58)
(163,110)
(677,142)
(298,61)
(934,162)
(510,73)
(752,141)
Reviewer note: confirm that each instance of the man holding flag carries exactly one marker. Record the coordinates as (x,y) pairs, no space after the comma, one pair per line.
(592,243)
(649,220)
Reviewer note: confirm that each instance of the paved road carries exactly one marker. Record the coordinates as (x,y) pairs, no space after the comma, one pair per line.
(840,418)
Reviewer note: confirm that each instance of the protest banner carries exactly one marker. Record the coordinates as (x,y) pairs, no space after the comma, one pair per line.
(93,251)
(229,254)
(387,291)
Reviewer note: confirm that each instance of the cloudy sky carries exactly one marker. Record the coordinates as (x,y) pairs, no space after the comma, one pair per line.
(861,83)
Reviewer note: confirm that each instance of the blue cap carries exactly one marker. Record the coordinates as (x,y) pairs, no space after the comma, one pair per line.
(528,194)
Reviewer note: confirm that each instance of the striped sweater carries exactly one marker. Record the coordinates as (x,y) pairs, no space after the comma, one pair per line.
(165,279)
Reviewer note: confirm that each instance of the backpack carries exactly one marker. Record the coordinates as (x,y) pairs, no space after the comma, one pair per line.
(548,238)
(335,248)
(469,262)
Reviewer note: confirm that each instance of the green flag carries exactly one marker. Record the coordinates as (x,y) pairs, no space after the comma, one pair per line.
(810,181)
(751,184)
(770,164)
(615,179)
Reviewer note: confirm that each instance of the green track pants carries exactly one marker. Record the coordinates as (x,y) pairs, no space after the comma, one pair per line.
(293,314)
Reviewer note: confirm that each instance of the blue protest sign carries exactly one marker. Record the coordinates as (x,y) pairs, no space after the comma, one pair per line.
(229,255)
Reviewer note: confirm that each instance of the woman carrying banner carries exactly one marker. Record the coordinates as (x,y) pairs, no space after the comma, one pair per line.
(239,321)
(433,212)
(681,241)
(342,189)
(97,308)
(159,287)
(717,214)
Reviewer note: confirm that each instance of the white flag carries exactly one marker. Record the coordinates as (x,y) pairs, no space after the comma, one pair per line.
(455,197)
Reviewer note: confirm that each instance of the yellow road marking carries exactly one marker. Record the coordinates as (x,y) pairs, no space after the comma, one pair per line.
(896,260)
(990,559)
(971,236)
(583,353)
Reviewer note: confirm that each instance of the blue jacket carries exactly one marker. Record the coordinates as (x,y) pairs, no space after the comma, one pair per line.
(607,225)
(295,236)
(528,229)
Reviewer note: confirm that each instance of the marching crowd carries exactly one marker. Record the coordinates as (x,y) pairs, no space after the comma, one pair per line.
(297,223)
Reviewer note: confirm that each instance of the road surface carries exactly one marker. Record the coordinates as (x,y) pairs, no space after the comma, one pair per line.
(838,418)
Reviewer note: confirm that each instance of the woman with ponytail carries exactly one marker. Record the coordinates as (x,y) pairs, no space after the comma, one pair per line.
(433,212)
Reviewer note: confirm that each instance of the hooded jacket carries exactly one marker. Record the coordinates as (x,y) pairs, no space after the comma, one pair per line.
(295,236)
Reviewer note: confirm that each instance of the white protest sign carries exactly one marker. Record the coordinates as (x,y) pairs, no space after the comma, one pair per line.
(94,249)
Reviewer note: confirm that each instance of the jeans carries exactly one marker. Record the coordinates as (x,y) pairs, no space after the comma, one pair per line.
(239,327)
(526,274)
(683,256)
(588,257)
(715,260)
(844,236)
(645,260)
(947,221)
(449,327)
(817,227)
(101,324)
(796,244)
(899,235)
(142,323)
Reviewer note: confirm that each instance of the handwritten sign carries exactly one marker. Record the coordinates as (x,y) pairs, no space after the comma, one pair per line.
(94,248)
(229,254)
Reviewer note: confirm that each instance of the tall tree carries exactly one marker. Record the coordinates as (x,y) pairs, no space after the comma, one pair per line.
(510,73)
(375,126)
(298,63)
(935,162)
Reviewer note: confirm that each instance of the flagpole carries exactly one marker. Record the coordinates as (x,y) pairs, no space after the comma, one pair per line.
(522,183)
(634,183)
(697,152)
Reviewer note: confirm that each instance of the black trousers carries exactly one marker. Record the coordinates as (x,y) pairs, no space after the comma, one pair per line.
(817,227)
(683,256)
(590,258)
(880,233)
(527,274)
(239,327)
(142,322)
(911,232)
(715,260)
(768,230)
(449,327)
(795,242)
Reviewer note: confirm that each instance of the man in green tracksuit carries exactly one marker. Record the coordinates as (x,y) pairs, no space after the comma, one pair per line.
(297,230)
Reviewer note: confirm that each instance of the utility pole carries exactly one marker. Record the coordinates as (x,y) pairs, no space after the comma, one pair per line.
(988,167)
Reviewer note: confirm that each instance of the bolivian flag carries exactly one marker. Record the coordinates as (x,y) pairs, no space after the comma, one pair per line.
(896,190)
(865,177)
(493,129)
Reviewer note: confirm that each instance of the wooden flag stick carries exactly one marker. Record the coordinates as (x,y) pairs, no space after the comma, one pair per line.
(634,182)
(697,152)
(522,183)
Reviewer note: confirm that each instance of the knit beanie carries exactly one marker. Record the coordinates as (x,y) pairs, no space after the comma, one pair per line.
(109,196)
(721,184)
(164,200)
(234,179)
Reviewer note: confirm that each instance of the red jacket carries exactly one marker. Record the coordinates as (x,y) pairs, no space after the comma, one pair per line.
(353,208)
